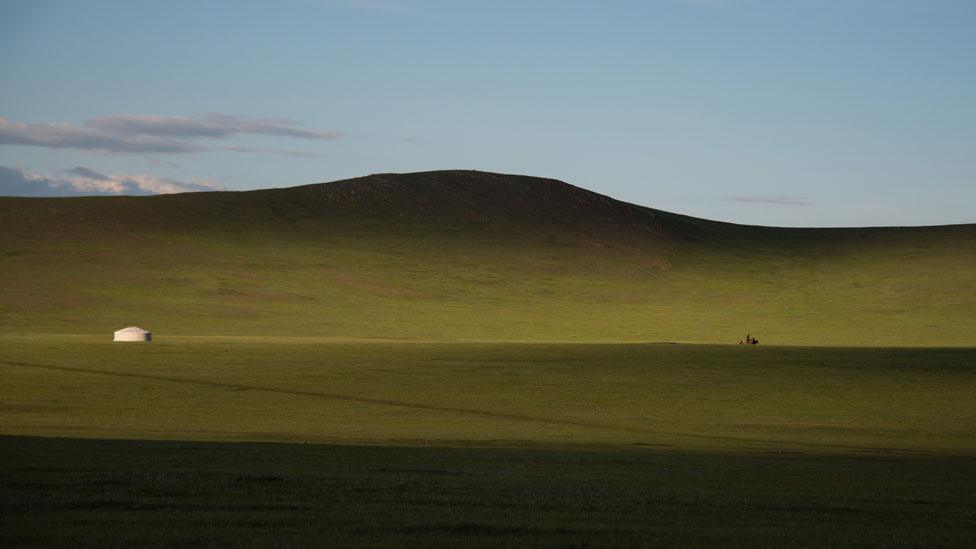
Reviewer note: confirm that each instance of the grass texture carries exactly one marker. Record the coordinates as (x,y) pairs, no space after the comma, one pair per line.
(59,492)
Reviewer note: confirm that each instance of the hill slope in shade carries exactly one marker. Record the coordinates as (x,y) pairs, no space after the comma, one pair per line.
(460,255)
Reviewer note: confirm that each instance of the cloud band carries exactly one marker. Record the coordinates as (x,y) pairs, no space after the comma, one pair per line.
(81,181)
(135,133)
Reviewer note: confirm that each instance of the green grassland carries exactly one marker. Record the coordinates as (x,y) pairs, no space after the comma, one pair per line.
(468,256)
(735,398)
(455,358)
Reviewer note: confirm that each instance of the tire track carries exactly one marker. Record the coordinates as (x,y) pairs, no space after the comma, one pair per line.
(470,412)
(344,398)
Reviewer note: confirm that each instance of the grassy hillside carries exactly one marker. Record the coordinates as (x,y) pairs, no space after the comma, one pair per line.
(470,256)
(467,334)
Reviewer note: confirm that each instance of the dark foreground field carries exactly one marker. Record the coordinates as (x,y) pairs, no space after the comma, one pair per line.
(414,444)
(137,493)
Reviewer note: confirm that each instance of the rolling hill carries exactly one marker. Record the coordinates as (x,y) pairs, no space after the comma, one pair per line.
(470,256)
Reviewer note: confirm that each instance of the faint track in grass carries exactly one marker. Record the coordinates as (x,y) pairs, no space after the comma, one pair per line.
(463,411)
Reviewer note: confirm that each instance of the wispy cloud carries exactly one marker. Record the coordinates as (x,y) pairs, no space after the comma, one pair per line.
(82,181)
(777,200)
(714,2)
(381,6)
(208,125)
(64,136)
(139,133)
(268,150)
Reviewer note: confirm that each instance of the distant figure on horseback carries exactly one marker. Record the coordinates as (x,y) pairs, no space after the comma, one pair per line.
(750,340)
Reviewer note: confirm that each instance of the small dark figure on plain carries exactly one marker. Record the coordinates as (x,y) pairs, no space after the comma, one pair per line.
(750,340)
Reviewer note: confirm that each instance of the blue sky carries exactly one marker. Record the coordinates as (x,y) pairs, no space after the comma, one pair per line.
(797,113)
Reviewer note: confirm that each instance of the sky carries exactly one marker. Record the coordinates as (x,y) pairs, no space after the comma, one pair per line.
(767,112)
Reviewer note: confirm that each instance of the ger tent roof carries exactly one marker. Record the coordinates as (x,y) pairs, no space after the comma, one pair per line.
(132,333)
(131,330)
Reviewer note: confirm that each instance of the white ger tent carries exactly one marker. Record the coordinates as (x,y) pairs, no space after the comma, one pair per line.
(133,333)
